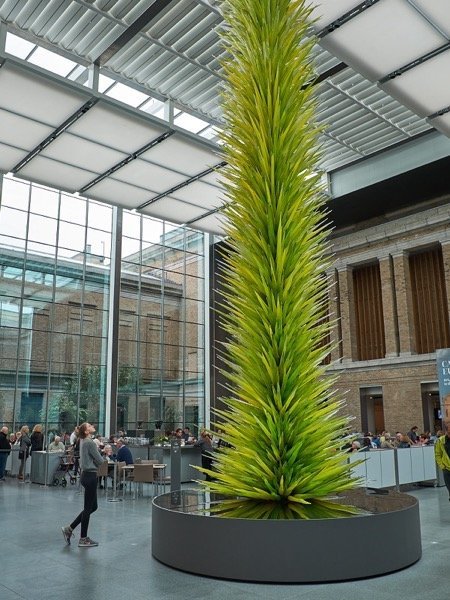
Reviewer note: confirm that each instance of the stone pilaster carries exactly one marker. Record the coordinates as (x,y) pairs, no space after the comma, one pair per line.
(334,315)
(407,337)
(389,307)
(347,311)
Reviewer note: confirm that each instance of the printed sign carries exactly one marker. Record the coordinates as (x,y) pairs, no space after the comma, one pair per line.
(443,369)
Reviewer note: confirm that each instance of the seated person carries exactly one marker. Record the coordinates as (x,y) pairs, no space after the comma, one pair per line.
(56,445)
(366,444)
(424,440)
(385,440)
(403,441)
(355,446)
(108,452)
(123,453)
(188,436)
(98,442)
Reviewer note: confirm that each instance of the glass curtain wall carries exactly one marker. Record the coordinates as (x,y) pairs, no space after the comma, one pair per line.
(161,326)
(54,274)
(55,259)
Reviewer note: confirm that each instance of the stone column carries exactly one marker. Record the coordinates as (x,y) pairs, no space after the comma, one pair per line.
(347,310)
(389,307)
(406,329)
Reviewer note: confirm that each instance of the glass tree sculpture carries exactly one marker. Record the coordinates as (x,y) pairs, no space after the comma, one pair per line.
(283,421)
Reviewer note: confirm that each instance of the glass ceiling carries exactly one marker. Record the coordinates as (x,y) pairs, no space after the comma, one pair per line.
(380,84)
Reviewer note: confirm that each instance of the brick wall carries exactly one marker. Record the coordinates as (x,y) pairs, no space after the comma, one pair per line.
(402,372)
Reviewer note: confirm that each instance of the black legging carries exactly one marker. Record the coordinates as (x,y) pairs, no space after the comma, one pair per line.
(447,479)
(89,482)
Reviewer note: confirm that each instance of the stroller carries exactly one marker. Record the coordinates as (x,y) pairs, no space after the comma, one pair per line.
(65,470)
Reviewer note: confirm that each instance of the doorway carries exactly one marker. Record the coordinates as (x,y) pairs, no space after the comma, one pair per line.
(431,406)
(372,411)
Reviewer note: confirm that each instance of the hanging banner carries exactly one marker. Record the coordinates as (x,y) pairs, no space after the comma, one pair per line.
(443,369)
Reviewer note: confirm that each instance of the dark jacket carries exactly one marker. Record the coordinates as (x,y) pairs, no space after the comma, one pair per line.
(37,441)
(4,443)
(25,444)
(124,454)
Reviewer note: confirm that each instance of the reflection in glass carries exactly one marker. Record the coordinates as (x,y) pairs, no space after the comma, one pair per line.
(131,250)
(54,315)
(72,236)
(41,229)
(11,243)
(43,249)
(152,231)
(98,247)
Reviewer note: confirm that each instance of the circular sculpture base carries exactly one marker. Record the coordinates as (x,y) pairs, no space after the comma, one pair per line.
(287,551)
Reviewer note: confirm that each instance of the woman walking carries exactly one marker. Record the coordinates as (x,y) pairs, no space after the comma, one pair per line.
(90,460)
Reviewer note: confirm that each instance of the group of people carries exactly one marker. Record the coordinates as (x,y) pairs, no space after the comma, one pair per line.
(368,441)
(27,444)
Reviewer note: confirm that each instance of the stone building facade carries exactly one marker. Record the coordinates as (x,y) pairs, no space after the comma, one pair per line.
(390,301)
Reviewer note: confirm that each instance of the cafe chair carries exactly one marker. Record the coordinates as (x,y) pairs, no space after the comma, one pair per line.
(127,476)
(102,474)
(143,474)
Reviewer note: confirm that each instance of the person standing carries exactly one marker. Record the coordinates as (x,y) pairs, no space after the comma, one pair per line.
(442,456)
(74,436)
(24,450)
(90,460)
(37,439)
(5,449)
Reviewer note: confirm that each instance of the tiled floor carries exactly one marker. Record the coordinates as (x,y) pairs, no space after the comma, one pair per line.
(35,564)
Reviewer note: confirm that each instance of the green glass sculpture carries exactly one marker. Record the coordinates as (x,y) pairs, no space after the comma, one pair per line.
(283,419)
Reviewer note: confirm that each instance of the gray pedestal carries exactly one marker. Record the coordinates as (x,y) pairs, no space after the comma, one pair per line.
(44,466)
(175,465)
(190,455)
(288,551)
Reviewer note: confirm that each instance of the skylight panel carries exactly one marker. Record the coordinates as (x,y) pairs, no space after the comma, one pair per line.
(17,46)
(52,62)
(190,123)
(104,83)
(127,95)
(154,107)
(212,133)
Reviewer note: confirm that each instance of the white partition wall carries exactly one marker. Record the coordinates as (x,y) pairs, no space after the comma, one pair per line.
(378,467)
